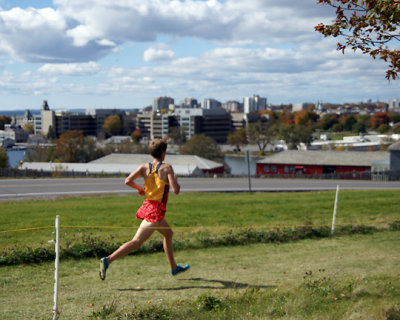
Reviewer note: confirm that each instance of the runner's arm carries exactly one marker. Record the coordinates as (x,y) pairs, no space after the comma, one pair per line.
(173,180)
(130,180)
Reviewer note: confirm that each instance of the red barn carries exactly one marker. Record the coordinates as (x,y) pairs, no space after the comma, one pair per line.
(294,162)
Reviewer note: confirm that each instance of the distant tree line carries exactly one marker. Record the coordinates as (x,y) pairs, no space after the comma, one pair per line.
(300,127)
(292,127)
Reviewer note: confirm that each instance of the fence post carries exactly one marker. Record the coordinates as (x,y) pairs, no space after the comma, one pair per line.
(334,210)
(57,249)
(248,167)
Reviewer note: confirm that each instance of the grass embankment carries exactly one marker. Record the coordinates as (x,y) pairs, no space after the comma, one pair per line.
(192,212)
(333,278)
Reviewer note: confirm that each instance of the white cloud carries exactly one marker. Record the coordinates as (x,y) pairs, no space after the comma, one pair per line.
(154,54)
(71,69)
(255,46)
(77,31)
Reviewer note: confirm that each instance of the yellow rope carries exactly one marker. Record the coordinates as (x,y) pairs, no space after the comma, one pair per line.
(202,227)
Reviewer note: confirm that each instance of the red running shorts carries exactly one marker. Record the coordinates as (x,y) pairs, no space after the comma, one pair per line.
(151,211)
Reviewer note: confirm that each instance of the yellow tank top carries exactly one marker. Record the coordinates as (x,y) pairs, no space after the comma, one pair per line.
(156,189)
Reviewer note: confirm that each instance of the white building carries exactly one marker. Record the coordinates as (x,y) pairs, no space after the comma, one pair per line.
(394,104)
(189,103)
(210,104)
(300,106)
(162,103)
(254,103)
(233,106)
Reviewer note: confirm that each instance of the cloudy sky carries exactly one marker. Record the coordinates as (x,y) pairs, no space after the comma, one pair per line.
(123,53)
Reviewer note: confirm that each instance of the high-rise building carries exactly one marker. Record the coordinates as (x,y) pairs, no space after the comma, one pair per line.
(254,103)
(189,103)
(394,104)
(210,104)
(162,103)
(47,119)
(233,106)
(215,123)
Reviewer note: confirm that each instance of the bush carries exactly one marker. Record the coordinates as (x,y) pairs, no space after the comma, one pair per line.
(206,302)
(95,247)
(394,226)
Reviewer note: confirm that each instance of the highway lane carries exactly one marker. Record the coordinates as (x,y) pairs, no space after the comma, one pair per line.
(11,189)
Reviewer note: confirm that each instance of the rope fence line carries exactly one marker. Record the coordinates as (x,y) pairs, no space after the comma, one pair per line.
(203,227)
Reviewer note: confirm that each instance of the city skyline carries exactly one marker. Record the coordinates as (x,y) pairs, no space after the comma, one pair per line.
(122,54)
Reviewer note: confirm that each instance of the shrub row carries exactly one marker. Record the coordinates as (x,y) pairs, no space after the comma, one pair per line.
(90,247)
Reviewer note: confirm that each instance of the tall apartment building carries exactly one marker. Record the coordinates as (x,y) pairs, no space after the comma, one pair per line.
(189,103)
(394,104)
(159,125)
(254,103)
(215,123)
(45,121)
(233,106)
(155,124)
(143,123)
(210,104)
(162,103)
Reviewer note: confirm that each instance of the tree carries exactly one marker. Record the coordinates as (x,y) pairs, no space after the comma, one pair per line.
(72,146)
(362,124)
(238,137)
(328,121)
(260,133)
(378,119)
(69,147)
(4,120)
(40,154)
(348,122)
(4,163)
(51,134)
(126,146)
(305,117)
(202,146)
(177,135)
(369,26)
(383,128)
(287,117)
(136,135)
(295,134)
(394,117)
(28,127)
(113,125)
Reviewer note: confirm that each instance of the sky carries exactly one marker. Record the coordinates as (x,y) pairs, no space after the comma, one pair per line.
(123,53)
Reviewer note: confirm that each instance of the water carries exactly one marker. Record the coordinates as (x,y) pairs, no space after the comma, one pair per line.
(15,156)
(238,165)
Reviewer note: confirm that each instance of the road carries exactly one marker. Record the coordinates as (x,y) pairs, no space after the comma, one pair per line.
(12,189)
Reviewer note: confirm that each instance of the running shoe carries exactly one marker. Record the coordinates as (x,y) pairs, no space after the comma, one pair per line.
(179,269)
(103,268)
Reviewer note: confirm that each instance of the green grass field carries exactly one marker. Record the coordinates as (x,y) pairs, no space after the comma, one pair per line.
(191,212)
(349,277)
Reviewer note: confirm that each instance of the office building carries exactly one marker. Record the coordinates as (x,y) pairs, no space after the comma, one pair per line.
(254,103)
(210,104)
(189,103)
(162,103)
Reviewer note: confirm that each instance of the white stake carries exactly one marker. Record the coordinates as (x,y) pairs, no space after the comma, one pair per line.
(334,210)
(57,249)
(248,167)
